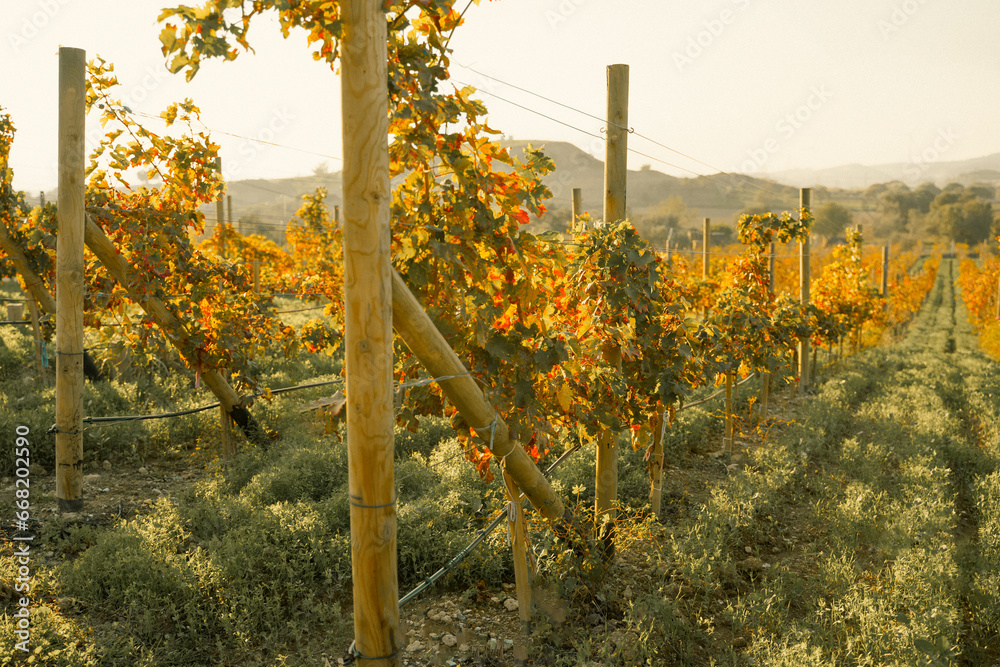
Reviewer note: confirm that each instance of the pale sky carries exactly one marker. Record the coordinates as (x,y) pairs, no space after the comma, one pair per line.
(742,85)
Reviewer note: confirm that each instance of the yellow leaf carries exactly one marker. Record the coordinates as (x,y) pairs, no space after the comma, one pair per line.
(565,397)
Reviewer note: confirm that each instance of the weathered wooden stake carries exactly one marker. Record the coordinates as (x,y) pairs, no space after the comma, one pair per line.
(220,213)
(256,276)
(658,424)
(36,331)
(727,441)
(670,236)
(615,178)
(35,288)
(522,577)
(765,393)
(368,333)
(577,209)
(69,281)
(885,271)
(706,236)
(104,250)
(428,345)
(998,298)
(770,268)
(805,197)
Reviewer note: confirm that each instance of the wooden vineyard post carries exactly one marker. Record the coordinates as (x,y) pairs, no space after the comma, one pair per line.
(615,175)
(336,215)
(885,271)
(765,376)
(576,210)
(706,241)
(69,281)
(368,333)
(36,331)
(765,394)
(220,212)
(658,423)
(104,250)
(998,298)
(256,276)
(805,197)
(428,345)
(670,237)
(727,440)
(522,577)
(35,289)
(770,269)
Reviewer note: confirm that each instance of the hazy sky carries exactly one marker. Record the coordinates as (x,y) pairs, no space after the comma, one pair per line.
(743,85)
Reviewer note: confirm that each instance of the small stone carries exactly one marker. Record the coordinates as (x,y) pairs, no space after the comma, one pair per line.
(510,604)
(415,646)
(508,643)
(38,470)
(508,587)
(463,648)
(594,619)
(105,490)
(158,492)
(143,471)
(492,644)
(445,618)
(449,640)
(106,465)
(748,550)
(627,592)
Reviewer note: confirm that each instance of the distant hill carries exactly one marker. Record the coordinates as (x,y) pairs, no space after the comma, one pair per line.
(265,205)
(855,176)
(647,188)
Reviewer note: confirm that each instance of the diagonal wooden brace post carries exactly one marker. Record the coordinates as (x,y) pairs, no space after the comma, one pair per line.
(104,249)
(35,288)
(417,330)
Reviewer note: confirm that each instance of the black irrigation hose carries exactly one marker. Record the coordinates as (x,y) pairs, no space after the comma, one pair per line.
(461,555)
(181,413)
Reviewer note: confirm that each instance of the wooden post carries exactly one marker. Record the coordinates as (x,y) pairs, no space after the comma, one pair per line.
(770,268)
(368,333)
(615,176)
(727,441)
(429,346)
(36,331)
(69,281)
(227,444)
(805,197)
(765,394)
(706,236)
(885,271)
(35,288)
(522,578)
(15,312)
(220,213)
(658,424)
(104,250)
(670,236)
(256,276)
(577,209)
